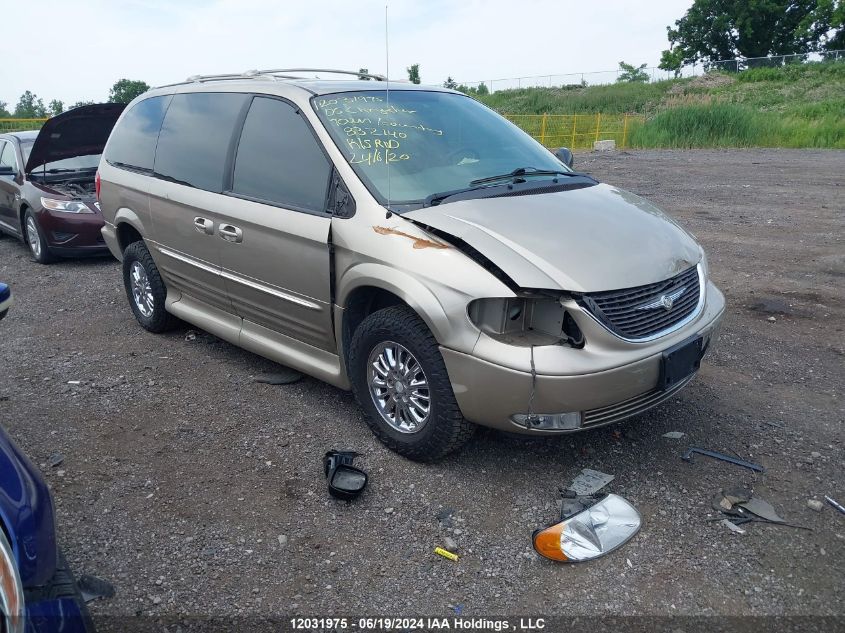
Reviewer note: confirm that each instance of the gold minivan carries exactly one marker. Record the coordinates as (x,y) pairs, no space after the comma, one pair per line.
(405,242)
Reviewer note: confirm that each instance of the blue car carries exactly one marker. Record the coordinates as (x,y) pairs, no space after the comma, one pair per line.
(38,593)
(5,299)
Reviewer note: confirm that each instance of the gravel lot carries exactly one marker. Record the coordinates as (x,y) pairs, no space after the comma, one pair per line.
(196,490)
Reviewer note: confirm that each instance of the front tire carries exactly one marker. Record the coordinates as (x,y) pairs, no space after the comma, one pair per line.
(145,289)
(34,239)
(400,380)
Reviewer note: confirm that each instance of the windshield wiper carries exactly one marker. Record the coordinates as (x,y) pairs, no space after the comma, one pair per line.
(523,171)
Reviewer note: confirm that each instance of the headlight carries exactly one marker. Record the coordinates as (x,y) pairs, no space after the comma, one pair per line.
(11,591)
(65,206)
(526,321)
(591,533)
(705,266)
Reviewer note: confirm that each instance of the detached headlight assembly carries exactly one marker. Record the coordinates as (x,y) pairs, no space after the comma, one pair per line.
(65,206)
(11,591)
(590,533)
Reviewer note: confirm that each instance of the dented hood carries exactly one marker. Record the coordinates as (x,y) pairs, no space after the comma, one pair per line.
(82,131)
(582,240)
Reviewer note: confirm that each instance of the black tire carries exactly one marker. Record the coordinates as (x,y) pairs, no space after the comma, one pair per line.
(445,430)
(159,319)
(40,252)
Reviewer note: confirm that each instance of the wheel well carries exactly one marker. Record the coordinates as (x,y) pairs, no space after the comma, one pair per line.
(126,235)
(24,208)
(362,303)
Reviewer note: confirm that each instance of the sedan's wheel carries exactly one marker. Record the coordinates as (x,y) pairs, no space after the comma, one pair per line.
(35,240)
(145,289)
(400,381)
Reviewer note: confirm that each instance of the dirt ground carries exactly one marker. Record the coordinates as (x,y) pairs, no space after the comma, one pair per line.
(197,490)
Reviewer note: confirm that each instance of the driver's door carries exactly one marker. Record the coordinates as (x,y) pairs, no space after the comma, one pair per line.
(9,189)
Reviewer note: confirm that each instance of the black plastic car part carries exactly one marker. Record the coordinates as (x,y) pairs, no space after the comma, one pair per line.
(345,481)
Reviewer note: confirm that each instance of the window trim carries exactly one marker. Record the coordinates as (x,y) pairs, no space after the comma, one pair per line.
(228,191)
(134,168)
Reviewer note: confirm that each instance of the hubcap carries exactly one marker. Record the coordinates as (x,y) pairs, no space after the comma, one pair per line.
(142,293)
(32,237)
(399,387)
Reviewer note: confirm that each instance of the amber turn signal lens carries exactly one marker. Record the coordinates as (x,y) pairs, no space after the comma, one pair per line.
(547,542)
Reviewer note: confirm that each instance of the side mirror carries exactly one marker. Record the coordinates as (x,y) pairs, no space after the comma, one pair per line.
(564,155)
(5,170)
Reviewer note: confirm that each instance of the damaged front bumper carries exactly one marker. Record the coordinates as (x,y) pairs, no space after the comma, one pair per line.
(570,389)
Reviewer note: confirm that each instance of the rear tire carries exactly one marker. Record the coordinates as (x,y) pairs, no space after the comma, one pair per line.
(397,420)
(145,289)
(34,239)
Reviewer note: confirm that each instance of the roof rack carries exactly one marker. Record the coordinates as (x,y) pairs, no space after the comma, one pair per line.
(280,73)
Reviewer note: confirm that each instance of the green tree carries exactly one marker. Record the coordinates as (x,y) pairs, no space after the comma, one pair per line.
(836,39)
(450,83)
(482,89)
(722,29)
(414,73)
(30,107)
(124,90)
(79,104)
(4,112)
(56,107)
(364,71)
(672,60)
(632,73)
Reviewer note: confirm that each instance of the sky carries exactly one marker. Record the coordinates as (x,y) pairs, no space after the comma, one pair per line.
(74,50)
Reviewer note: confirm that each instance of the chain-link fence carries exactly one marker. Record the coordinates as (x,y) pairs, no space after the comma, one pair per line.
(20,125)
(577,131)
(600,77)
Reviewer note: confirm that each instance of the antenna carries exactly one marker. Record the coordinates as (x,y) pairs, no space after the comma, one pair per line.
(387,91)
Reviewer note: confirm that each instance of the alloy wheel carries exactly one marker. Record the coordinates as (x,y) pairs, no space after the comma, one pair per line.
(399,387)
(32,237)
(142,292)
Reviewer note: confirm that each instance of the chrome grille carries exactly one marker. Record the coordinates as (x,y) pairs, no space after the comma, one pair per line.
(649,311)
(628,408)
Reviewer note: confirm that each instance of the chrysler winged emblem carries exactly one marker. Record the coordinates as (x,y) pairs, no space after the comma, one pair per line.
(663,301)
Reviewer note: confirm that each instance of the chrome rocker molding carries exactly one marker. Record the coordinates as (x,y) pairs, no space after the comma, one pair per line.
(238,279)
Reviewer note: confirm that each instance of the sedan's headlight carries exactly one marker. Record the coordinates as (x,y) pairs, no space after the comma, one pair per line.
(11,591)
(65,206)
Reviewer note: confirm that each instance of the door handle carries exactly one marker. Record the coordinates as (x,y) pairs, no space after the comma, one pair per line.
(230,233)
(204,226)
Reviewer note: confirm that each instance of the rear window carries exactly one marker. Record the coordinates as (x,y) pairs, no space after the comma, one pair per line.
(279,159)
(133,141)
(194,142)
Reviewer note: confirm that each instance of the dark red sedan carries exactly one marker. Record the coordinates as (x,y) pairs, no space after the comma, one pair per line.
(47,190)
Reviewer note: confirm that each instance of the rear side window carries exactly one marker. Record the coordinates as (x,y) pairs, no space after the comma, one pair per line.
(133,141)
(7,155)
(279,159)
(195,138)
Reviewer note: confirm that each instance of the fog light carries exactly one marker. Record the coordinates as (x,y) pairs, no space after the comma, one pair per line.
(549,421)
(59,236)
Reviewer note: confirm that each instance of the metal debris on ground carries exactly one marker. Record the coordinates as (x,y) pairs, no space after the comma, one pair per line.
(91,588)
(743,507)
(834,504)
(285,376)
(589,482)
(674,435)
(721,456)
(762,509)
(733,527)
(445,553)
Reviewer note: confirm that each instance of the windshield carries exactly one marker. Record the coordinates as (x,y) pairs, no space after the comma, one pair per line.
(74,163)
(431,142)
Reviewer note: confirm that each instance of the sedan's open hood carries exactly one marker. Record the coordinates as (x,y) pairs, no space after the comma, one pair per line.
(581,240)
(82,131)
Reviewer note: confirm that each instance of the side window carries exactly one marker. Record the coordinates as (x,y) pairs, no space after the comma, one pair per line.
(279,160)
(133,140)
(195,137)
(7,155)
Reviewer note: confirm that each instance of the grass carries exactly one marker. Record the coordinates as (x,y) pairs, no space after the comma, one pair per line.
(798,105)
